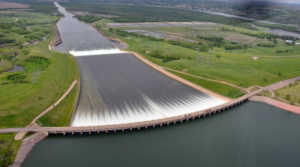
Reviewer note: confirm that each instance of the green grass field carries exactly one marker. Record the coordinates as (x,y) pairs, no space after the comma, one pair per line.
(8,147)
(220,88)
(290,93)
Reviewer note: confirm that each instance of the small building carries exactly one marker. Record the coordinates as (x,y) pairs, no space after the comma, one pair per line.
(297,43)
(289,41)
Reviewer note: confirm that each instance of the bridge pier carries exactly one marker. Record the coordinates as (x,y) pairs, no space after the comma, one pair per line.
(89,131)
(187,119)
(146,126)
(174,122)
(199,115)
(130,128)
(115,130)
(72,132)
(168,123)
(55,132)
(122,129)
(106,131)
(98,131)
(180,120)
(153,125)
(81,132)
(64,132)
(193,118)
(138,127)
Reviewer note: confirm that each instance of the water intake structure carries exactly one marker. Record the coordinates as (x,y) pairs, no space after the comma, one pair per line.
(117,87)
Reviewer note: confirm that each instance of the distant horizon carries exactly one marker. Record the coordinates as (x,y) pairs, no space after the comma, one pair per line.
(270,1)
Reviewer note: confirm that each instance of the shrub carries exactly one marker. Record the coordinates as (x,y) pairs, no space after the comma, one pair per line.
(288,97)
(266,45)
(218,56)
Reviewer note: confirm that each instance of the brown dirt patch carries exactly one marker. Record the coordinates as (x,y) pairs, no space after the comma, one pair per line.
(7,5)
(148,51)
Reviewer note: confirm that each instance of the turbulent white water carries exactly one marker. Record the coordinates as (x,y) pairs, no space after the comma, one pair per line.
(147,111)
(95,52)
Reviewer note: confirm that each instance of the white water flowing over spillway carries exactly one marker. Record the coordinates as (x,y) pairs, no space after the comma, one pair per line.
(117,87)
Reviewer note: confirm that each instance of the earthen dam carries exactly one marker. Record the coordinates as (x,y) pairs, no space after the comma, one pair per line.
(118,88)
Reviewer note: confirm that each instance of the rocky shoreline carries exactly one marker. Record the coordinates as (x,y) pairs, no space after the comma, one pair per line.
(26,147)
(276,103)
(57,39)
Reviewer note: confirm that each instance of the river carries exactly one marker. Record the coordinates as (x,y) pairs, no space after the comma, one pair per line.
(250,135)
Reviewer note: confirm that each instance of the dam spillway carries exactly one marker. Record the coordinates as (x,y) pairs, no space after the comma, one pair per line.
(117,87)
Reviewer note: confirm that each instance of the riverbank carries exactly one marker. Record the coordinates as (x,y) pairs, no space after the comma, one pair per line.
(26,147)
(57,38)
(276,103)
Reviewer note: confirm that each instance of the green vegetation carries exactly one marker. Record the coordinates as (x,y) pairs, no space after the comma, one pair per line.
(89,19)
(8,148)
(290,93)
(128,13)
(62,114)
(21,99)
(220,88)
(266,93)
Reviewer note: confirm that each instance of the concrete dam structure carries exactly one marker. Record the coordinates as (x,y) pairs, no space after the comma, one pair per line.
(118,88)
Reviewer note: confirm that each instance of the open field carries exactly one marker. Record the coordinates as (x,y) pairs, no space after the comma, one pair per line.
(7,5)
(290,93)
(222,89)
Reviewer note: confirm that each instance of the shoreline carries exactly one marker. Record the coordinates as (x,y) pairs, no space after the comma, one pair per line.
(276,103)
(26,146)
(57,38)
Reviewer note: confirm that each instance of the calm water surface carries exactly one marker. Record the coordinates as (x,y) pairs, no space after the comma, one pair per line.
(251,135)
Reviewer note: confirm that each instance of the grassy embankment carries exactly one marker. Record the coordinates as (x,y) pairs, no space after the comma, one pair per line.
(9,148)
(21,100)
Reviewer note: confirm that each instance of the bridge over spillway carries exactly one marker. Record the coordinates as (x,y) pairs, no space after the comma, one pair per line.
(152,123)
(138,125)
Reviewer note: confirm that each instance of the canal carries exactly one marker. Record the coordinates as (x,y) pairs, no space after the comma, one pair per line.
(250,135)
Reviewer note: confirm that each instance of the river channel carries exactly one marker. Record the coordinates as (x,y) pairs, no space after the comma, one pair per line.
(250,135)
(117,87)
